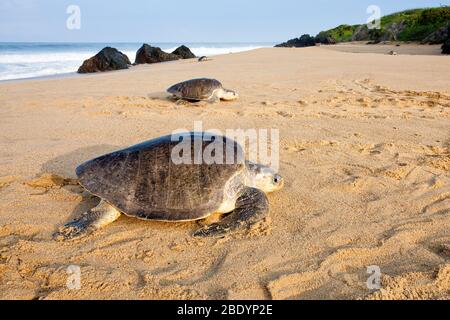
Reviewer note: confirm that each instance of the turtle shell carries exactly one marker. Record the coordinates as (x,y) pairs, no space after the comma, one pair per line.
(195,89)
(143,181)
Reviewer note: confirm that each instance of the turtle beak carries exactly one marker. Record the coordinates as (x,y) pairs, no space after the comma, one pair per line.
(232,95)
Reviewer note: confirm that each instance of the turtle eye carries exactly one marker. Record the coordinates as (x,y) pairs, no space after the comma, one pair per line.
(277,179)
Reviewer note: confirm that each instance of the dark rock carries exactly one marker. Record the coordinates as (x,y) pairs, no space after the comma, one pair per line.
(324,38)
(438,36)
(149,54)
(184,52)
(106,60)
(446,47)
(304,41)
(361,34)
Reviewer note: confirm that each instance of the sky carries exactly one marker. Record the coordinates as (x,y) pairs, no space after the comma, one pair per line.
(185,20)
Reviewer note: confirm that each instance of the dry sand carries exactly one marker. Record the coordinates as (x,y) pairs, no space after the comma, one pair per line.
(384,48)
(365,149)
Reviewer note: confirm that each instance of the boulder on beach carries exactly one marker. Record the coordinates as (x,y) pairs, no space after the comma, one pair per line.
(446,47)
(184,52)
(106,60)
(438,36)
(149,54)
(304,41)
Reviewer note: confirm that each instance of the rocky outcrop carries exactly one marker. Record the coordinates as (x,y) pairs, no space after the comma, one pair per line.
(149,54)
(106,60)
(446,47)
(324,38)
(393,31)
(438,36)
(427,25)
(361,34)
(390,33)
(304,41)
(184,52)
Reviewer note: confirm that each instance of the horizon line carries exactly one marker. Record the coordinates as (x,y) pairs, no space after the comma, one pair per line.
(125,42)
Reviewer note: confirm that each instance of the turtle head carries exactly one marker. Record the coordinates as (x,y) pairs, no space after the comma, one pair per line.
(228,95)
(263,178)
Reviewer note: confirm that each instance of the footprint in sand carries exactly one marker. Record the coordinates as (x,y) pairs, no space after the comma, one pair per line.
(439,206)
(397,173)
(382,148)
(441,248)
(285,114)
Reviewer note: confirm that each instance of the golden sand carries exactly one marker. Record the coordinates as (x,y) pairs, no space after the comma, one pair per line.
(365,149)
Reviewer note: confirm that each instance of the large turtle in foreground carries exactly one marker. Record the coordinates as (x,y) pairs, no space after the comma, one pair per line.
(202,89)
(164,180)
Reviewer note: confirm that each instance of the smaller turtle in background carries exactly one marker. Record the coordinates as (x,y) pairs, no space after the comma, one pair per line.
(202,90)
(203,59)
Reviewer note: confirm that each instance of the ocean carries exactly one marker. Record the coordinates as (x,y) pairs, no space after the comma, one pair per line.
(30,60)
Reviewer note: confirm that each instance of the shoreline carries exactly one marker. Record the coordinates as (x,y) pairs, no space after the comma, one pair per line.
(48,77)
(75,75)
(44,59)
(347,47)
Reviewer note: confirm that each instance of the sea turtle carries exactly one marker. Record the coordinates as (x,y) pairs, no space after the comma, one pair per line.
(149,181)
(202,89)
(203,59)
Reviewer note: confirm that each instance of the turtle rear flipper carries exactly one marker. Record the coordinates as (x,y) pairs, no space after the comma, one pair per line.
(251,207)
(89,221)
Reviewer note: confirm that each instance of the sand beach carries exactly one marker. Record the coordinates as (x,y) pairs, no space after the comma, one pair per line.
(364,149)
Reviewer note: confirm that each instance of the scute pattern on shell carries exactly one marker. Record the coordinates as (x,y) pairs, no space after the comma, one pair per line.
(143,181)
(195,89)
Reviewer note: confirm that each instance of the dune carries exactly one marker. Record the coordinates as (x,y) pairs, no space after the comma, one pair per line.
(364,149)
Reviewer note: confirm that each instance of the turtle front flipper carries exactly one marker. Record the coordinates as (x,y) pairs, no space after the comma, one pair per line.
(89,221)
(251,207)
(215,98)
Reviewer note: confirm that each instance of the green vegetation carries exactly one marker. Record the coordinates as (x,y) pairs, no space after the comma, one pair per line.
(409,25)
(428,25)
(340,34)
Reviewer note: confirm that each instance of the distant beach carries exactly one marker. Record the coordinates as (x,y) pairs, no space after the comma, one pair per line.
(384,48)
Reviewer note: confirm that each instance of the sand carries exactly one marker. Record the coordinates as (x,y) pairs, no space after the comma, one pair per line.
(384,48)
(364,147)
